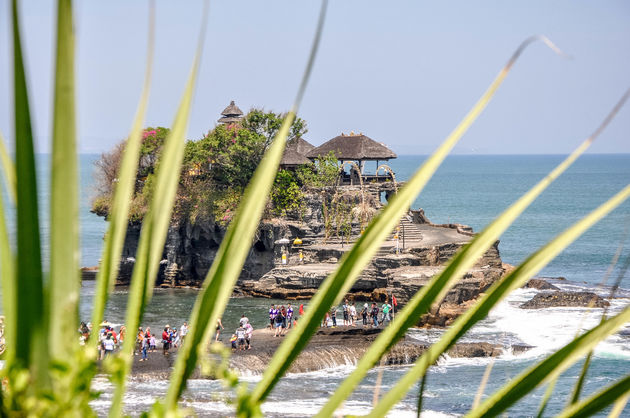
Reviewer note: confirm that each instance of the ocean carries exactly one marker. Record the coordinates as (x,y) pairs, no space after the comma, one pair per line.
(470,190)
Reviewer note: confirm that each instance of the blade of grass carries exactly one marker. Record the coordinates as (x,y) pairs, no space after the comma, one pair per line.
(31,345)
(545,400)
(8,169)
(495,294)
(550,367)
(622,272)
(619,406)
(64,284)
(353,262)
(459,264)
(119,214)
(7,267)
(155,225)
(7,272)
(482,386)
(420,396)
(580,382)
(599,400)
(226,268)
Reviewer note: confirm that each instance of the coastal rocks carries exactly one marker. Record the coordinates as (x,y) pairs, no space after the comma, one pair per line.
(540,284)
(333,347)
(565,299)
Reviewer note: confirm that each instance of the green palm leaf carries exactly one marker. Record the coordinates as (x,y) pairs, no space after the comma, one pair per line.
(155,226)
(598,401)
(8,168)
(119,214)
(551,366)
(64,210)
(460,263)
(231,255)
(31,348)
(353,262)
(495,294)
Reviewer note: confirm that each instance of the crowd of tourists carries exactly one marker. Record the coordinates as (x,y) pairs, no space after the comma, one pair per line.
(108,340)
(370,315)
(281,319)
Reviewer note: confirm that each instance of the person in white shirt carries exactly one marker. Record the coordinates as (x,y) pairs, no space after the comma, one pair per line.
(183,331)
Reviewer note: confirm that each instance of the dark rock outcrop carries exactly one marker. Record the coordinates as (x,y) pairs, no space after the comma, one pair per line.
(568,299)
(413,254)
(540,284)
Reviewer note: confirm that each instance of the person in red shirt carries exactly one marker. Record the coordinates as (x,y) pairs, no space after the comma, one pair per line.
(166,340)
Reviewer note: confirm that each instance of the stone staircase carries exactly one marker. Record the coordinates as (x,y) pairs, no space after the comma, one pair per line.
(406,228)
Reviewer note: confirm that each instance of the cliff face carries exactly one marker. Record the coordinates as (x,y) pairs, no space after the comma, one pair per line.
(191,248)
(405,262)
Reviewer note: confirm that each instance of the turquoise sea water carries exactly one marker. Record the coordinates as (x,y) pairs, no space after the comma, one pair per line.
(466,189)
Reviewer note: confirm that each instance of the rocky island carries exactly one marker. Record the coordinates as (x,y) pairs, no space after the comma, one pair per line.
(322,199)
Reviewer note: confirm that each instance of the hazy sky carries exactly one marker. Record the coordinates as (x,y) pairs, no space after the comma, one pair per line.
(403,73)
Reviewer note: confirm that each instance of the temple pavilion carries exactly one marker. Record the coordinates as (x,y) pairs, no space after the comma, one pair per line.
(358,149)
(231,114)
(295,153)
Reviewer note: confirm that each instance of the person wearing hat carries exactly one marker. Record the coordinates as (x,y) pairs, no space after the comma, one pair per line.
(166,340)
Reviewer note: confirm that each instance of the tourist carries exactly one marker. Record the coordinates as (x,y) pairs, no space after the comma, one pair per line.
(152,343)
(233,342)
(278,324)
(166,340)
(139,338)
(272,316)
(326,319)
(289,315)
(174,337)
(353,314)
(374,314)
(283,313)
(333,316)
(301,309)
(85,333)
(240,337)
(121,335)
(249,331)
(346,313)
(108,345)
(386,309)
(219,328)
(183,331)
(364,314)
(244,320)
(145,347)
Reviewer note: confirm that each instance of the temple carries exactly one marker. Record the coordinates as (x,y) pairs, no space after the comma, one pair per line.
(231,114)
(355,150)
(295,153)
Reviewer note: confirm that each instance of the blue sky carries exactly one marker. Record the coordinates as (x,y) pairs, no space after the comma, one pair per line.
(402,72)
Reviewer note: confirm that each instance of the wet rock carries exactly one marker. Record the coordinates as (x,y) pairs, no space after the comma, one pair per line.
(565,299)
(540,284)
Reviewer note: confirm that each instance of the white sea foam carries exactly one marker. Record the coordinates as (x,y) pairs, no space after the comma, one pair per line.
(548,329)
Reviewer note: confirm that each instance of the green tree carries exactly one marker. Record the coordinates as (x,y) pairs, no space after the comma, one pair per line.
(286,195)
(324,173)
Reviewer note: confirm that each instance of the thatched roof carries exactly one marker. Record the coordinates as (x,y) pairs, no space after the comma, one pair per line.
(293,158)
(232,110)
(231,114)
(300,145)
(294,152)
(353,147)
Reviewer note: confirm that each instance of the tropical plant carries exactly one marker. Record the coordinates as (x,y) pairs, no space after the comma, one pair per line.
(46,373)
